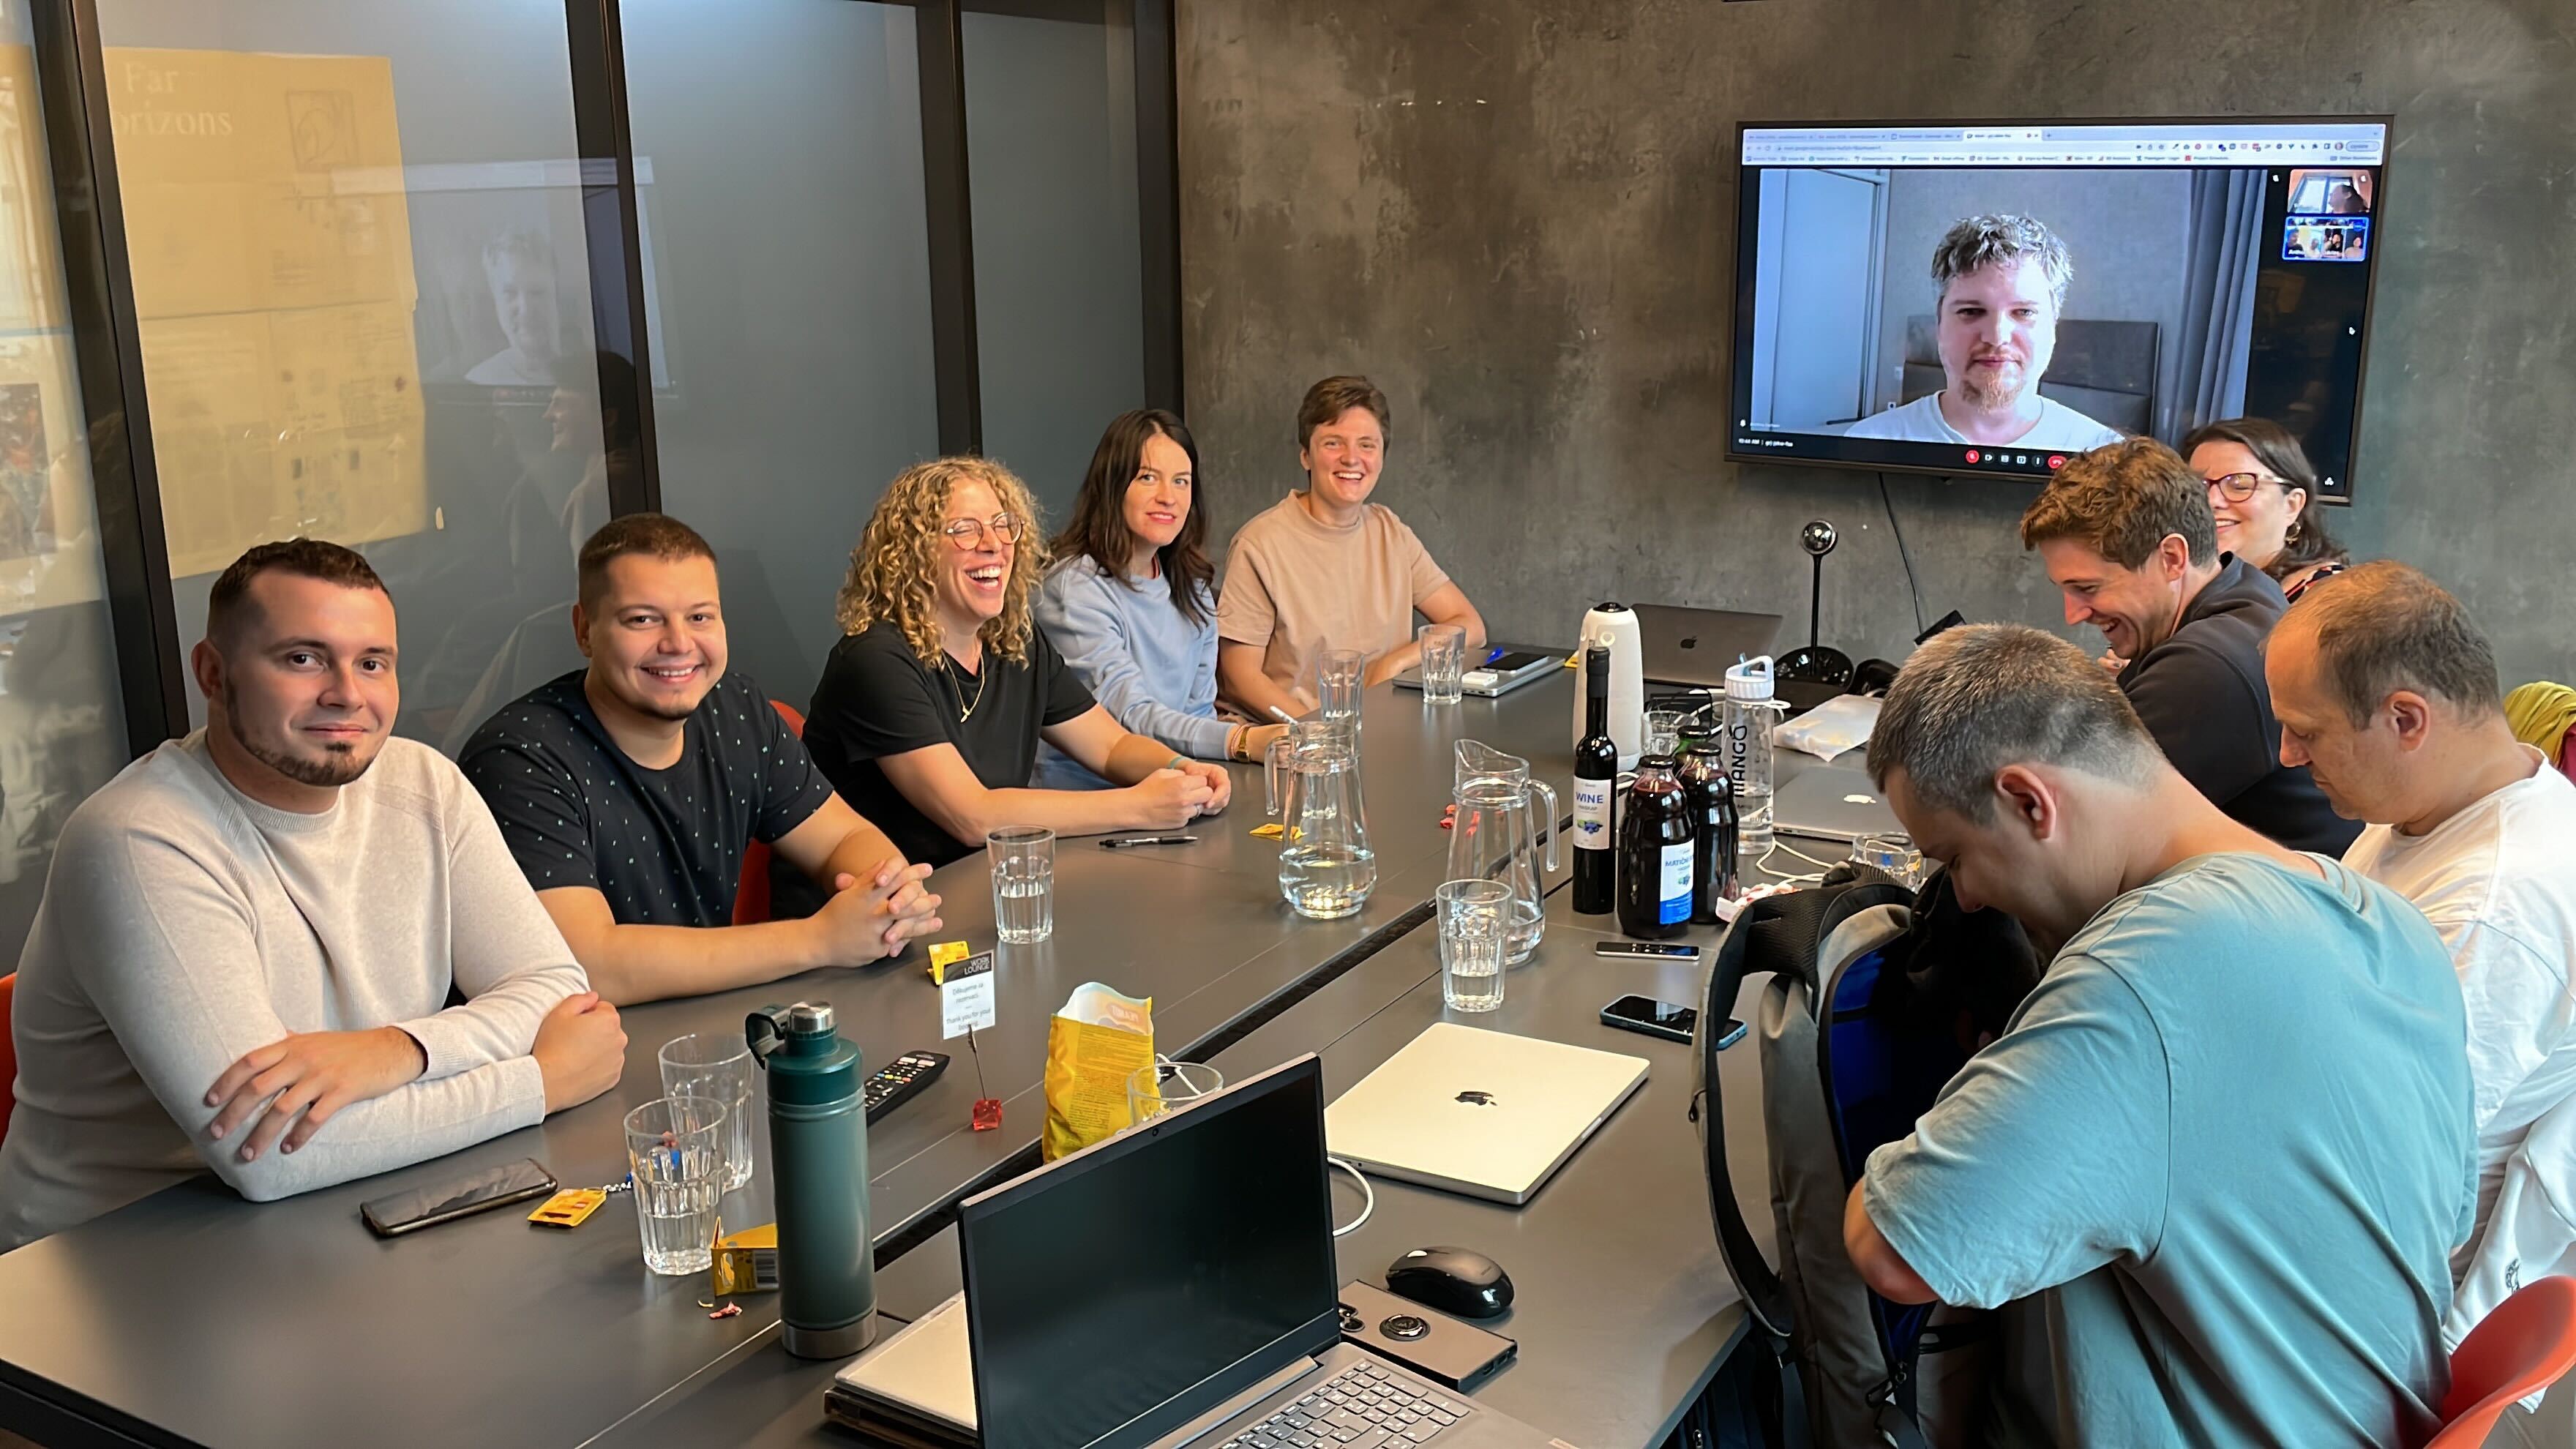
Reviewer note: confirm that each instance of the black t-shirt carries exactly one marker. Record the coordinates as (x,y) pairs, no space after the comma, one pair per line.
(665,846)
(877,698)
(2204,698)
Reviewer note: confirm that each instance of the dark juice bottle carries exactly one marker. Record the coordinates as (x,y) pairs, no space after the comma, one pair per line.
(1712,808)
(1596,775)
(1655,854)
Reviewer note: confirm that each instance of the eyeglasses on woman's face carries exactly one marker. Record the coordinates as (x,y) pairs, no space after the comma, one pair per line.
(968,533)
(2240,487)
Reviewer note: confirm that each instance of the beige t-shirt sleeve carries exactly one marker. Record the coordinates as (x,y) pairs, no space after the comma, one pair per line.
(1422,573)
(1245,613)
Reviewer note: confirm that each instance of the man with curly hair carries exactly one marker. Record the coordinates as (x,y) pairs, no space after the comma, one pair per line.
(2002,282)
(930,709)
(630,792)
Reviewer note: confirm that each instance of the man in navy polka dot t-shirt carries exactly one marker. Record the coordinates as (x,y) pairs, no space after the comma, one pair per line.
(630,791)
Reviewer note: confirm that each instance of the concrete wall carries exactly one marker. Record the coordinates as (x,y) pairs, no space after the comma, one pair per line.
(1515,214)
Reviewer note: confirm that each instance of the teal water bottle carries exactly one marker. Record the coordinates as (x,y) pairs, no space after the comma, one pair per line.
(818,1170)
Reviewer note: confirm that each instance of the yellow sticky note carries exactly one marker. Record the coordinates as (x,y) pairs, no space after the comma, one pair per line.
(944,955)
(568,1208)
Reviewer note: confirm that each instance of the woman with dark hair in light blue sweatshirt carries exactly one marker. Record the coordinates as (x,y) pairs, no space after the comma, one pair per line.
(1131,600)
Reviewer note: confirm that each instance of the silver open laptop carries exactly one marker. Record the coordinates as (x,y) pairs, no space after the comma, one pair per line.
(1832,802)
(1479,1112)
(1697,646)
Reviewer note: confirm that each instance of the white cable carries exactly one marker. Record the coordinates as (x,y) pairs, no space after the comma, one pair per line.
(1815,877)
(1368,1196)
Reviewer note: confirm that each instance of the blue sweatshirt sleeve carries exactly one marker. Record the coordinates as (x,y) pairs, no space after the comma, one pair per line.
(1083,619)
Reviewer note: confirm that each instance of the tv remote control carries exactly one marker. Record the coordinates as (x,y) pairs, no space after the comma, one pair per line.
(893,1085)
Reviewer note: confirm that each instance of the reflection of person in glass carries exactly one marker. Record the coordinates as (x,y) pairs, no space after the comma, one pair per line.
(2003,285)
(520,268)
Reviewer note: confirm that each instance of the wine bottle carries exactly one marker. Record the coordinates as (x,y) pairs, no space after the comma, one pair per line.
(1596,774)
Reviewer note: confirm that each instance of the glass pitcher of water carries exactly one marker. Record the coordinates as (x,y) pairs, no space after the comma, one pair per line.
(1494,835)
(1312,779)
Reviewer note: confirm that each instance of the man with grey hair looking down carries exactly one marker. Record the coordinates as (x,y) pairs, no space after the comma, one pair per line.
(2226,1139)
(2002,282)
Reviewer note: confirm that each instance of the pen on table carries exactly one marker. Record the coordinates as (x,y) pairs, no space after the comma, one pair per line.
(1284,716)
(1148,840)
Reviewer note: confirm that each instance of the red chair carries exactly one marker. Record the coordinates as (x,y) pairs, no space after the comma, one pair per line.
(8,1052)
(751,897)
(2524,1346)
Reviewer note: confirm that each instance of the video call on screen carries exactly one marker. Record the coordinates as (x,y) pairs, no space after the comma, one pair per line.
(2211,270)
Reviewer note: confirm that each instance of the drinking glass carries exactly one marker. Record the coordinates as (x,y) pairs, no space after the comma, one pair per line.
(1023,883)
(1444,659)
(718,1068)
(675,1147)
(1339,676)
(1158,1087)
(1894,854)
(1475,933)
(1663,731)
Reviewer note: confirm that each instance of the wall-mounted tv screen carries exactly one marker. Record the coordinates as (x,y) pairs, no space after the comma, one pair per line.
(1989,297)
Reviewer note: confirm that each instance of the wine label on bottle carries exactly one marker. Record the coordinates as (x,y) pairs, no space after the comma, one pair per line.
(1591,814)
(1673,895)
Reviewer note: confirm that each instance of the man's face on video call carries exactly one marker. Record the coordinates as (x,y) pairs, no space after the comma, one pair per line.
(1998,329)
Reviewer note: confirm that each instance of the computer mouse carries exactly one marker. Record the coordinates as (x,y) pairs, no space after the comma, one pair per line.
(1454,1280)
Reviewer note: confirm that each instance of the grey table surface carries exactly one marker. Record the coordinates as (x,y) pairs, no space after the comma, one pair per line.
(1624,1311)
(192,1317)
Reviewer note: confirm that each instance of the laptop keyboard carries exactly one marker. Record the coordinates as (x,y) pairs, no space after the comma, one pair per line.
(1362,1407)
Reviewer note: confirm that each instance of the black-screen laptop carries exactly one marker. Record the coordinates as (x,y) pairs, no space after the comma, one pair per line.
(1176,1285)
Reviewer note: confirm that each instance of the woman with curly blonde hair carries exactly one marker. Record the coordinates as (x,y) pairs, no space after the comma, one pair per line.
(930,709)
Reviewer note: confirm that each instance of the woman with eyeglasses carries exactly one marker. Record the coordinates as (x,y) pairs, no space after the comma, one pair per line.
(930,709)
(1130,598)
(2262,488)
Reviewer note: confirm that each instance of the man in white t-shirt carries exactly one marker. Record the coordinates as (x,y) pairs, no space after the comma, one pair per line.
(2003,286)
(2387,691)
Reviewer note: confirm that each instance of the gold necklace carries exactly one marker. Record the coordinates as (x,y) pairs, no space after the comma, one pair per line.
(964,706)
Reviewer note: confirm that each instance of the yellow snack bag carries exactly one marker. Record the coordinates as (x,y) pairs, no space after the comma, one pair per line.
(1094,1044)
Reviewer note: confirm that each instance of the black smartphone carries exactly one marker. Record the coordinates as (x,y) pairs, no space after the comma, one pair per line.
(1651,1017)
(404,1212)
(1678,951)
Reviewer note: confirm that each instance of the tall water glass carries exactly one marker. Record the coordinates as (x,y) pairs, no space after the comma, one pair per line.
(1160,1087)
(718,1068)
(1023,859)
(1444,659)
(1339,677)
(675,1148)
(1475,932)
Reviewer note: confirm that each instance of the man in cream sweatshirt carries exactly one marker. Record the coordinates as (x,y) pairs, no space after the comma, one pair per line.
(244,953)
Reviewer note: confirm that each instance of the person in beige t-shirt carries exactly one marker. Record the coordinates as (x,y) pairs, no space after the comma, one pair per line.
(1324,568)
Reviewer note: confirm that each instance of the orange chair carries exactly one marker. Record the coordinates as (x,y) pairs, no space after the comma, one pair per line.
(2522,1347)
(8,1052)
(751,897)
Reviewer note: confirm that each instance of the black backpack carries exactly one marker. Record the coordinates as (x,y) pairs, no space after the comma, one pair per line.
(1911,986)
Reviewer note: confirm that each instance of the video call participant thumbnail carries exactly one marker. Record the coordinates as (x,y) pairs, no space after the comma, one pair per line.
(2002,287)
(249,937)
(631,789)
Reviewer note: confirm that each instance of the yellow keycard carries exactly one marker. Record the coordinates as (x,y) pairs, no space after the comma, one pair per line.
(946,954)
(568,1208)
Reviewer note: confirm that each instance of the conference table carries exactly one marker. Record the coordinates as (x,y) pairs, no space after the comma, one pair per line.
(194,1318)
